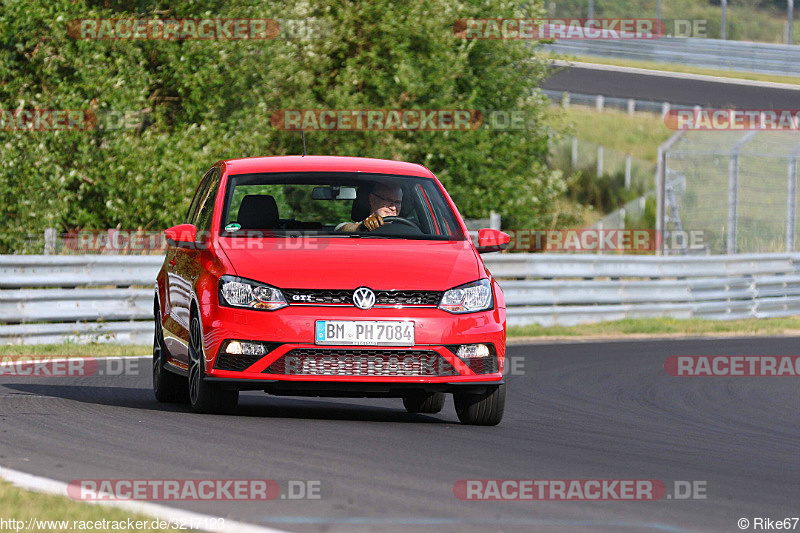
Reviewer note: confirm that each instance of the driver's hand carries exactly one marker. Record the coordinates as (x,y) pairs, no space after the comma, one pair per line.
(373,221)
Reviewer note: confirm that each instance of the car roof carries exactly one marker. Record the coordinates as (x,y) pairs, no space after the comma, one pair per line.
(323,163)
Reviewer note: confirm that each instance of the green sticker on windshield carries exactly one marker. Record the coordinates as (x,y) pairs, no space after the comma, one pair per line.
(233,227)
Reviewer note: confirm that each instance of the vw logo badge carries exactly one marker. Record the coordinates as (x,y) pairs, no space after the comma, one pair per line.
(364,298)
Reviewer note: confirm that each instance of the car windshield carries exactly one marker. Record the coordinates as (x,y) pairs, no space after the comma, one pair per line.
(336,204)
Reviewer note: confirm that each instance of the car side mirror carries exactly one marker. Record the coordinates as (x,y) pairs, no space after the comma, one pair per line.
(182,236)
(492,240)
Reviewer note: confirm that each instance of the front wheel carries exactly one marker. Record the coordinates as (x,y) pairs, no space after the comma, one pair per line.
(485,409)
(167,386)
(205,397)
(424,403)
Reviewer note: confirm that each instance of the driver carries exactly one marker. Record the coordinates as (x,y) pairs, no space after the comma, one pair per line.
(384,201)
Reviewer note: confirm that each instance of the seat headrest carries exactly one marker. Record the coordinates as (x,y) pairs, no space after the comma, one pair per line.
(361,208)
(258,211)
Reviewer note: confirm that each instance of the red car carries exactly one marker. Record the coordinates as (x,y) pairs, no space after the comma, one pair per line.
(329,276)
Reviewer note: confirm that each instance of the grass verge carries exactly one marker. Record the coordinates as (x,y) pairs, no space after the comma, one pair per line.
(63,513)
(619,328)
(639,135)
(75,350)
(674,67)
(664,326)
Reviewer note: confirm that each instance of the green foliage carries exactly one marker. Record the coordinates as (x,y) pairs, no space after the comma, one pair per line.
(605,193)
(748,20)
(202,101)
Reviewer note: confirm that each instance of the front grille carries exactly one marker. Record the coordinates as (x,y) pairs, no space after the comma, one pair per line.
(237,363)
(345,297)
(312,296)
(407,297)
(356,362)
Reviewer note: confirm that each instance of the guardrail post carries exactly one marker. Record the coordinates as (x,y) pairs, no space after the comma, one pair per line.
(723,25)
(791,203)
(661,187)
(627,171)
(664,109)
(733,191)
(598,103)
(790,20)
(599,237)
(49,241)
(494,220)
(631,106)
(574,153)
(599,160)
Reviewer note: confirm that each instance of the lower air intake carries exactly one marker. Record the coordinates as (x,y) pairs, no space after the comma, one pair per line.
(326,362)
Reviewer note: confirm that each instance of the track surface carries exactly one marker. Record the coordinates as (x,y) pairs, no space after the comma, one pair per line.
(584,410)
(670,89)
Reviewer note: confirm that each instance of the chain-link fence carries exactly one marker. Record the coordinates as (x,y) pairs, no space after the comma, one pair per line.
(738,188)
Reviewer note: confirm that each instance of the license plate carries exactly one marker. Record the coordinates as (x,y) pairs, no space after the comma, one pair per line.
(364,332)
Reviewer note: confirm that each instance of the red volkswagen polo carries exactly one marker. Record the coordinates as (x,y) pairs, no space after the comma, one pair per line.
(329,276)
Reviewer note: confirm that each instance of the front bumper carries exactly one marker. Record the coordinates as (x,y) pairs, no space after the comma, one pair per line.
(291,329)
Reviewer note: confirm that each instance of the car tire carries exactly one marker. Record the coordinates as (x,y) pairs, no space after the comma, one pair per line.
(429,403)
(205,397)
(484,409)
(168,387)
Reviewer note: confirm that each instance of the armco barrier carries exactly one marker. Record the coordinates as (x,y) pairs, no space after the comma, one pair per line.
(50,299)
(743,56)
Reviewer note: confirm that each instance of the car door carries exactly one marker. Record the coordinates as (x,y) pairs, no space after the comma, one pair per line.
(179,285)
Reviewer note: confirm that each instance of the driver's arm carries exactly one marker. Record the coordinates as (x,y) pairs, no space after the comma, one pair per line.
(370,223)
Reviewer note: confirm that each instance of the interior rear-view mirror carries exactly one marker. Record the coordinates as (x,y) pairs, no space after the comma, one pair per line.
(333,193)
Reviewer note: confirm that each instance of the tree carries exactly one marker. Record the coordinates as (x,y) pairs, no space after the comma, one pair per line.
(194,102)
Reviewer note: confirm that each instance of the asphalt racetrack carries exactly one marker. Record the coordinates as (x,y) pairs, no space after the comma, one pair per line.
(721,94)
(577,411)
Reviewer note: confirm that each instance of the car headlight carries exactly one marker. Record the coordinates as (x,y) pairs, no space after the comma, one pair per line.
(241,292)
(468,298)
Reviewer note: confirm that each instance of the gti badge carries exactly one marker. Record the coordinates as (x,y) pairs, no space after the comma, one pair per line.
(363,298)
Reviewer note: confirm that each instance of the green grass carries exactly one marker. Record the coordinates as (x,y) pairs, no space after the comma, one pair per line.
(664,326)
(19,504)
(675,67)
(72,349)
(639,135)
(620,328)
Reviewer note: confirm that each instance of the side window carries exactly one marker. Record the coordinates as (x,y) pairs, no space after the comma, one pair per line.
(198,196)
(206,207)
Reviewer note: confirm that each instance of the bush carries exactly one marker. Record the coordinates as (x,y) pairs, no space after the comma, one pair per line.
(202,101)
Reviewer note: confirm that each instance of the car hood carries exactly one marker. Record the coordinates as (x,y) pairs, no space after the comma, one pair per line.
(348,263)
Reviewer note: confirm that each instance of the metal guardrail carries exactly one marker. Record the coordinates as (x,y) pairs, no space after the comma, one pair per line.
(742,56)
(546,289)
(51,299)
